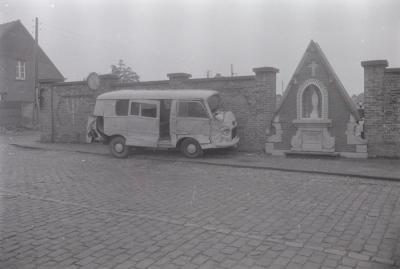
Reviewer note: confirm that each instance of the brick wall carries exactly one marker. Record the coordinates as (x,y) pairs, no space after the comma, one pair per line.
(66,106)
(10,114)
(382,108)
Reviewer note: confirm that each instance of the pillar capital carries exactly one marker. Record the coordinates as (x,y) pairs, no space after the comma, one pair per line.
(375,63)
(265,69)
(179,76)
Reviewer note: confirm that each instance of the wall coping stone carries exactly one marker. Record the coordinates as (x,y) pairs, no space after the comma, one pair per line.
(140,83)
(392,70)
(109,76)
(49,81)
(265,69)
(162,82)
(375,63)
(79,82)
(223,78)
(69,83)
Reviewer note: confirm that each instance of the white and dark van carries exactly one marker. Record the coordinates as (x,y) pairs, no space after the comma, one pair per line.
(190,120)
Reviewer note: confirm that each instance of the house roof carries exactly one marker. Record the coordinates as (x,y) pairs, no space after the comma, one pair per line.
(331,71)
(6,27)
(47,69)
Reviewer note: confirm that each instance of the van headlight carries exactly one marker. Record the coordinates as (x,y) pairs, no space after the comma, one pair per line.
(219,116)
(225,131)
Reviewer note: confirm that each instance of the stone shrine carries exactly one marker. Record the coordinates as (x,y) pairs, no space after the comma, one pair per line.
(316,114)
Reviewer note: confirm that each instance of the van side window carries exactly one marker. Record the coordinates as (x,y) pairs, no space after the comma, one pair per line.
(191,110)
(121,107)
(135,108)
(148,110)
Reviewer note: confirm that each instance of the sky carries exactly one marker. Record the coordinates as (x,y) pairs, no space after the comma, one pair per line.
(156,37)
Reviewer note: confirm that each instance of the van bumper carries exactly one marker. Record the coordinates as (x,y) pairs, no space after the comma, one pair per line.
(222,144)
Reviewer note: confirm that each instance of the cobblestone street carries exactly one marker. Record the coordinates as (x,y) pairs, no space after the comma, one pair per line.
(74,210)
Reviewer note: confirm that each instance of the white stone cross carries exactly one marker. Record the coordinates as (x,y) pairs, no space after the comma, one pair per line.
(313,66)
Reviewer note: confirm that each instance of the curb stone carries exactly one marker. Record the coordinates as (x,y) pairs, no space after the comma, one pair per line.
(234,165)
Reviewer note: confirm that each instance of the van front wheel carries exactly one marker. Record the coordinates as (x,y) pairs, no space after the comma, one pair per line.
(118,147)
(191,148)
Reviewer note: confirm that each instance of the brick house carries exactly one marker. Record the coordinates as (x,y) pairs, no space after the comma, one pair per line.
(17,73)
(316,115)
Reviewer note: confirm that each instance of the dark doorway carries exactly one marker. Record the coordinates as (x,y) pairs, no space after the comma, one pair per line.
(165,111)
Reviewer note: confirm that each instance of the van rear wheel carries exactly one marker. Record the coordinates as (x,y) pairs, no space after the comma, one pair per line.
(118,147)
(191,148)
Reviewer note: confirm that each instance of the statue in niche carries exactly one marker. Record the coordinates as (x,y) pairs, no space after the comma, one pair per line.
(311,102)
(314,102)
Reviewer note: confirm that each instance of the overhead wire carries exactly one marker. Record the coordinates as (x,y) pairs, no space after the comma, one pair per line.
(79,38)
(99,57)
(108,41)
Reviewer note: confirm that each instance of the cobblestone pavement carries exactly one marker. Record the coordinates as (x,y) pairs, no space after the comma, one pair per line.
(73,210)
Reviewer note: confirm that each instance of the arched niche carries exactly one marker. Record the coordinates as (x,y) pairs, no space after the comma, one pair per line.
(305,104)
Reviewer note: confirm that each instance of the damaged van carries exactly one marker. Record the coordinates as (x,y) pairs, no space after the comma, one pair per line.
(190,120)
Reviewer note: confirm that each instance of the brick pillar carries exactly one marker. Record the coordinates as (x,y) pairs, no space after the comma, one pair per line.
(374,98)
(177,80)
(266,84)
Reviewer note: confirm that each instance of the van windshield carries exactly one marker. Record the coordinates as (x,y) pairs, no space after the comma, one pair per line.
(215,103)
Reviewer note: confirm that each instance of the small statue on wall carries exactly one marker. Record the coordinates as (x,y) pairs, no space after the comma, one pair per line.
(314,102)
(311,103)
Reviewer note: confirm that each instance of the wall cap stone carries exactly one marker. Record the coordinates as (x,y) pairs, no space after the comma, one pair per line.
(179,76)
(223,78)
(68,83)
(109,76)
(166,82)
(392,70)
(139,83)
(265,69)
(375,63)
(49,81)
(82,82)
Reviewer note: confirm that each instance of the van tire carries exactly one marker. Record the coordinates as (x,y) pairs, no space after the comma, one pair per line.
(118,148)
(191,148)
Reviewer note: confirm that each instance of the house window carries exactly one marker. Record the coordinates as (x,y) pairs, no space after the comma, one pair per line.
(20,70)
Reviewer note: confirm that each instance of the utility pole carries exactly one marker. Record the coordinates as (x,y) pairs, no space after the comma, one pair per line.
(232,73)
(36,84)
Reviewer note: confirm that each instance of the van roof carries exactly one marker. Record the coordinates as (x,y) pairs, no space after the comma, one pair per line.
(157,94)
